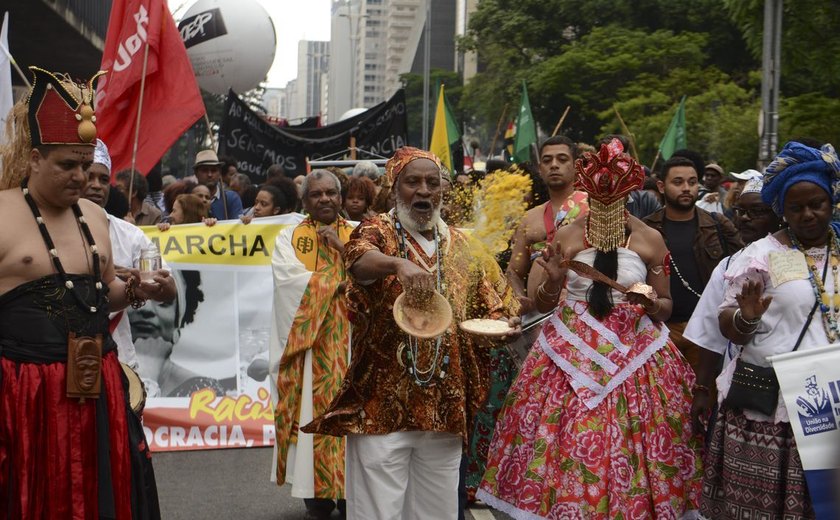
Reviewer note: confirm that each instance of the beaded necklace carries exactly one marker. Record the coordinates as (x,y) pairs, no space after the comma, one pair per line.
(829,314)
(424,376)
(683,280)
(45,234)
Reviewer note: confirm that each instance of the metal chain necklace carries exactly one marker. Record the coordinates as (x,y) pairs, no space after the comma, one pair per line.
(424,376)
(826,302)
(97,275)
(683,280)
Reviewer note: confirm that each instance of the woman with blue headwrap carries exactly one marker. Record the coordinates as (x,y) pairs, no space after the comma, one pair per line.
(753,468)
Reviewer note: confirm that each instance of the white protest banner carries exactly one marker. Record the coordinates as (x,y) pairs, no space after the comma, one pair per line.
(810,384)
(204,357)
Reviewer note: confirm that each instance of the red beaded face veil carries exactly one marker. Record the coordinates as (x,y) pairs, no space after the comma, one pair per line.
(608,177)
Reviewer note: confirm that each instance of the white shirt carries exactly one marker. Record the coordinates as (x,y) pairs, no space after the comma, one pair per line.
(784,319)
(127,243)
(703,328)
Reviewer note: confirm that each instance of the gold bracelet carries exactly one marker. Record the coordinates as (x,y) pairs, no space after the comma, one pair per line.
(657,306)
(551,294)
(549,297)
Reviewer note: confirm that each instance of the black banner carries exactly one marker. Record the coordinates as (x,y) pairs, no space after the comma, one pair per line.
(257,144)
(201,27)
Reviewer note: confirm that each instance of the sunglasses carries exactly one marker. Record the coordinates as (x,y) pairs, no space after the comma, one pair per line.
(759,212)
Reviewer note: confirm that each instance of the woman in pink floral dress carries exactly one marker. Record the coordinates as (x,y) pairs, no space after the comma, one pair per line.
(597,424)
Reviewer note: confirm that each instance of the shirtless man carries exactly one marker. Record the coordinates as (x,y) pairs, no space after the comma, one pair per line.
(54,303)
(557,170)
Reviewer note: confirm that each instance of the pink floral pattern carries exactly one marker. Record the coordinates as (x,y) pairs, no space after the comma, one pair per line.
(632,456)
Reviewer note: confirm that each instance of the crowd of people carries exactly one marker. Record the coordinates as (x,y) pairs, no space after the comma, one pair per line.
(655,291)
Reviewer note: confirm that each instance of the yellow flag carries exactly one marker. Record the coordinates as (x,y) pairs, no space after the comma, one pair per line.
(440,137)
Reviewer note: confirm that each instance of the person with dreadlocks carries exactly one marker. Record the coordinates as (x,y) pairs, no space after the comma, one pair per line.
(70,445)
(597,424)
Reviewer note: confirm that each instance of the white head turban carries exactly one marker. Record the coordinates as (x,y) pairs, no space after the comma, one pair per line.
(100,155)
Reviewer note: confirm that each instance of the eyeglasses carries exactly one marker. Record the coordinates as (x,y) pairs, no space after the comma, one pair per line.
(759,212)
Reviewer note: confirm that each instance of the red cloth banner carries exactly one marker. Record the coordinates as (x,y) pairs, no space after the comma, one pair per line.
(171,100)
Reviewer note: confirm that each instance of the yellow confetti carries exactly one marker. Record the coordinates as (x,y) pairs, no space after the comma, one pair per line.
(498,204)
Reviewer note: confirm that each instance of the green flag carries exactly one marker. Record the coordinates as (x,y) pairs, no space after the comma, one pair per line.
(526,129)
(675,136)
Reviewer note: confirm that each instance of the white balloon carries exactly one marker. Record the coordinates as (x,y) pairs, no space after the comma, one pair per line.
(231,44)
(352,113)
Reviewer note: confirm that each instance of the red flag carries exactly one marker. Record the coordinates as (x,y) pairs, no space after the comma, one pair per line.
(171,101)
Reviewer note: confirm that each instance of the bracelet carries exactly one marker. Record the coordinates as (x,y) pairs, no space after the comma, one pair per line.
(752,324)
(699,388)
(542,292)
(553,294)
(657,306)
(130,296)
(754,321)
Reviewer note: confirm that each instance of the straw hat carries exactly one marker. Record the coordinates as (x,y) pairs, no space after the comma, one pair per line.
(206,158)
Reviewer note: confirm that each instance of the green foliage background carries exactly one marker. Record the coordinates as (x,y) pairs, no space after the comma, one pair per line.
(640,57)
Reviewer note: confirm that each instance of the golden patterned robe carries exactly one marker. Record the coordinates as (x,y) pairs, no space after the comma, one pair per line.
(313,332)
(378,395)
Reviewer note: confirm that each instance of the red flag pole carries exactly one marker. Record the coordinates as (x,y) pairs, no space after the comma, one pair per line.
(137,128)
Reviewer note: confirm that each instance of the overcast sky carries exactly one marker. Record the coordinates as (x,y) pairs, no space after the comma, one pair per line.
(294,20)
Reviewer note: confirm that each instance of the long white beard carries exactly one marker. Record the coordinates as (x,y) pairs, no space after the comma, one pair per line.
(403,211)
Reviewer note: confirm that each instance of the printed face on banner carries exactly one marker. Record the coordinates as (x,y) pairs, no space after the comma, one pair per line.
(204,357)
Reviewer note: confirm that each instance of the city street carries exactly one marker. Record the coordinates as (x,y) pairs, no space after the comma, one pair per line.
(232,483)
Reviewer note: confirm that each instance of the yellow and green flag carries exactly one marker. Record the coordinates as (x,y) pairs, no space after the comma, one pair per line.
(445,132)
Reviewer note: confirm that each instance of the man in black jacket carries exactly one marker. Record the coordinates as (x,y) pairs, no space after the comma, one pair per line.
(697,241)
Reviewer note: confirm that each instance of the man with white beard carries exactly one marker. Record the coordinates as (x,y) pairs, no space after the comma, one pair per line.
(406,404)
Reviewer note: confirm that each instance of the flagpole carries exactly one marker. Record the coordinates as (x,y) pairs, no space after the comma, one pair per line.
(210,132)
(560,123)
(627,132)
(137,128)
(17,68)
(498,127)
(654,160)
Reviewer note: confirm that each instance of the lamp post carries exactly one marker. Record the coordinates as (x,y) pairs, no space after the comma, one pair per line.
(771,71)
(427,47)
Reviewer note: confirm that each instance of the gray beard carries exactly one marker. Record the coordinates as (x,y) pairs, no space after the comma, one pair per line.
(403,212)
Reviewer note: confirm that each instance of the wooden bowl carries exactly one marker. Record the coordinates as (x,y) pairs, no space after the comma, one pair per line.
(429,321)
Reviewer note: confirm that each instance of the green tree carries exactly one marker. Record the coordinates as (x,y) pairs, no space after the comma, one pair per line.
(590,75)
(810,42)
(514,39)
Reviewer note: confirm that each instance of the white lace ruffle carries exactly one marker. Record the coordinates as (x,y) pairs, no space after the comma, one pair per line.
(604,332)
(579,378)
(509,509)
(514,512)
(572,338)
